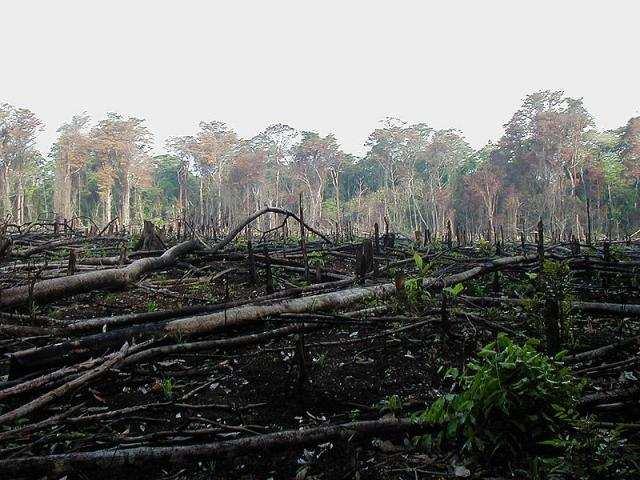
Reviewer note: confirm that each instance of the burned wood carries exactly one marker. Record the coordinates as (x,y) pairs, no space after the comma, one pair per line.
(121,458)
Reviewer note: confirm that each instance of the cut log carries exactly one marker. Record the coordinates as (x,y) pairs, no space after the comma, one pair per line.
(114,278)
(119,458)
(118,278)
(66,388)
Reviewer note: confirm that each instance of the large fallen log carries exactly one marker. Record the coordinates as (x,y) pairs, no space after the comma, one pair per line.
(591,307)
(117,278)
(118,321)
(56,288)
(68,387)
(118,458)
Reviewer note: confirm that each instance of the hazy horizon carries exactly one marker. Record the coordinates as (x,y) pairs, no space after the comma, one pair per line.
(333,68)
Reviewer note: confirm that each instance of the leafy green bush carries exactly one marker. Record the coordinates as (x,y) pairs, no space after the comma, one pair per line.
(555,280)
(484,247)
(589,452)
(512,397)
(317,259)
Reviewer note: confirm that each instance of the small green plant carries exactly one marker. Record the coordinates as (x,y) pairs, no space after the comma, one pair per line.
(556,279)
(476,289)
(321,360)
(110,297)
(167,387)
(617,253)
(354,415)
(152,306)
(589,453)
(484,247)
(416,295)
(317,259)
(454,291)
(423,268)
(510,397)
(413,289)
(392,404)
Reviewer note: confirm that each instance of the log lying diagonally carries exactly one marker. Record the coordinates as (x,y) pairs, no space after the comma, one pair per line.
(57,288)
(343,298)
(132,457)
(61,287)
(68,387)
(118,321)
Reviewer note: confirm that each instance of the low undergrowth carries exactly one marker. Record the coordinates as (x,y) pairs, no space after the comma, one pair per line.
(517,402)
(512,397)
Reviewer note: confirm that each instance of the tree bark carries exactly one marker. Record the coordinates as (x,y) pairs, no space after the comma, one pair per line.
(140,456)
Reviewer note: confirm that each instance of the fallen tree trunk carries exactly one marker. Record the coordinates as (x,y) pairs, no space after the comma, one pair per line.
(595,307)
(66,388)
(56,288)
(135,457)
(233,342)
(43,380)
(632,391)
(243,315)
(117,321)
(64,374)
(601,351)
(61,287)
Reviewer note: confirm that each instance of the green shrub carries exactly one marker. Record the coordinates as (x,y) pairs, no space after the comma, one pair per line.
(512,397)
(589,452)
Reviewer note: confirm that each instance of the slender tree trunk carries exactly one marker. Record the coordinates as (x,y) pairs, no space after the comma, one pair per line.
(107,206)
(4,184)
(201,199)
(126,199)
(336,184)
(220,196)
(182,190)
(20,201)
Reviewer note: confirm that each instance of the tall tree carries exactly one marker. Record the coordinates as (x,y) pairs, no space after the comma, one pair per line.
(18,156)
(312,160)
(70,151)
(119,142)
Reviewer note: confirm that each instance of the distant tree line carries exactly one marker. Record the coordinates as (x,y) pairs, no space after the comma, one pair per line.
(550,161)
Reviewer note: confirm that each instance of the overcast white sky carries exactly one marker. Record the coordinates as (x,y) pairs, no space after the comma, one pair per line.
(330,66)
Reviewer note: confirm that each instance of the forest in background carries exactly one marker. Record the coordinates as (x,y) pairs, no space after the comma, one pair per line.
(550,161)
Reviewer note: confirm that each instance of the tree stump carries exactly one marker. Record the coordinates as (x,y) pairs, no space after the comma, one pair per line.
(364,260)
(150,238)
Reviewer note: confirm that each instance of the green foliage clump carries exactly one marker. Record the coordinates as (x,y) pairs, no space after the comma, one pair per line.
(555,284)
(167,387)
(317,259)
(417,296)
(484,247)
(392,404)
(555,281)
(511,397)
(589,453)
